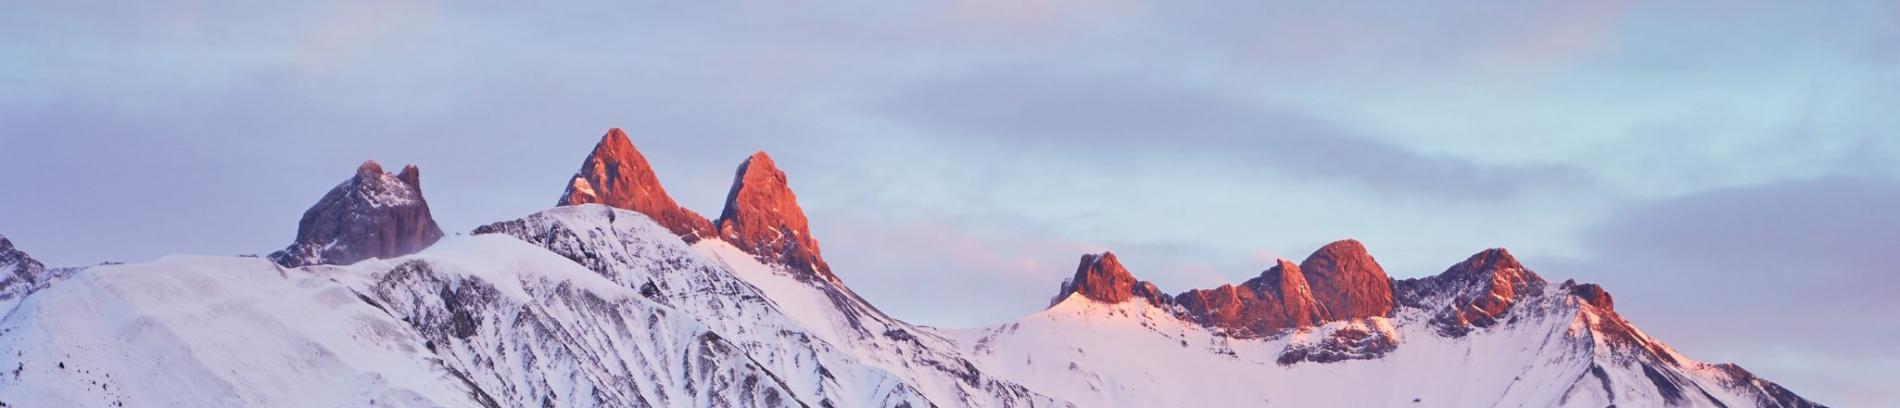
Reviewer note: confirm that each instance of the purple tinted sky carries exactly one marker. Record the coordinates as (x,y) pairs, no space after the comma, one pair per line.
(1730,170)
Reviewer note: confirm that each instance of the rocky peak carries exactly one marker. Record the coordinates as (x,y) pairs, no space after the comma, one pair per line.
(21,275)
(8,252)
(617,175)
(1347,282)
(371,215)
(763,218)
(1483,288)
(16,265)
(1102,278)
(1278,299)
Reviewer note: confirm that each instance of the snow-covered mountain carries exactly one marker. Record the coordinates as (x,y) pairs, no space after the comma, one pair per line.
(619,297)
(1551,344)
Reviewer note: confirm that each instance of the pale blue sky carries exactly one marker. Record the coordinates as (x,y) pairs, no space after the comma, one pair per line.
(1729,170)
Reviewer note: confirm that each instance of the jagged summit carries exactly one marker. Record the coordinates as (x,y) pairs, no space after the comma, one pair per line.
(1476,292)
(1340,281)
(587,305)
(1347,282)
(617,175)
(20,275)
(762,217)
(1101,277)
(371,215)
(10,256)
(1278,299)
(1496,279)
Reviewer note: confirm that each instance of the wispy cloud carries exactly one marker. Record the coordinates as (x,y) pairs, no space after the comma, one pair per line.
(1115,120)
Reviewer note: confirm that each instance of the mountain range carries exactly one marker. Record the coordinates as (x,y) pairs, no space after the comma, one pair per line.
(618,296)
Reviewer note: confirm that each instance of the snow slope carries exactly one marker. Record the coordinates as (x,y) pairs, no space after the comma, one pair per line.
(829,345)
(1553,352)
(478,321)
(213,332)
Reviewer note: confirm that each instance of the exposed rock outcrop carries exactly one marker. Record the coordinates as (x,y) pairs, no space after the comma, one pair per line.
(1482,289)
(371,215)
(17,264)
(617,175)
(1276,300)
(762,217)
(1592,294)
(1103,279)
(1347,282)
(21,275)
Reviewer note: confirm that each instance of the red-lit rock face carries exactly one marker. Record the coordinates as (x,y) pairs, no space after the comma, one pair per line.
(1347,282)
(371,215)
(762,217)
(617,175)
(1102,278)
(1276,300)
(1295,294)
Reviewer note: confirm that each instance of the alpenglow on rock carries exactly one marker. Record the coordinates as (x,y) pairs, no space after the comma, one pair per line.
(1347,282)
(371,215)
(617,175)
(1104,279)
(762,217)
(1277,299)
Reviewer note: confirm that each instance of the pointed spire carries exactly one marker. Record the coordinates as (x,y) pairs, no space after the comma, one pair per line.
(412,176)
(617,175)
(763,218)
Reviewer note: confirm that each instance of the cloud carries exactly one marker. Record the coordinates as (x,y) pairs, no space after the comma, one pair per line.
(1796,280)
(1112,120)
